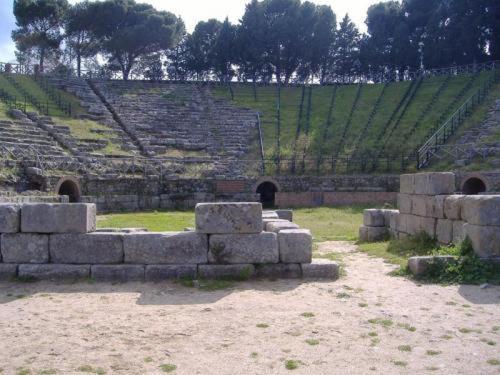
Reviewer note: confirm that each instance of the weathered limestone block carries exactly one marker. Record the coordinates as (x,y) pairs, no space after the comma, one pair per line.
(165,248)
(320,269)
(229,271)
(402,223)
(419,205)
(373,234)
(229,218)
(278,271)
(270,215)
(295,246)
(285,214)
(7,271)
(404,203)
(458,231)
(407,184)
(119,272)
(485,239)
(243,248)
(389,215)
(453,207)
(10,218)
(157,273)
(373,218)
(435,206)
(419,265)
(88,248)
(428,225)
(25,248)
(481,209)
(265,221)
(434,183)
(393,221)
(58,218)
(277,227)
(54,272)
(444,231)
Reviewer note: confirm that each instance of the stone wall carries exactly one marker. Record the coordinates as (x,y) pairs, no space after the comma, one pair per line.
(231,240)
(427,203)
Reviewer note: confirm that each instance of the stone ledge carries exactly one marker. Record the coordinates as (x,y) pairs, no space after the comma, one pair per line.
(90,248)
(278,271)
(25,248)
(119,273)
(8,271)
(54,272)
(232,271)
(321,269)
(156,273)
(243,248)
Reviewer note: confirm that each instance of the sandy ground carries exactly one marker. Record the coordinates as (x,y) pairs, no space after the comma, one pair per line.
(134,328)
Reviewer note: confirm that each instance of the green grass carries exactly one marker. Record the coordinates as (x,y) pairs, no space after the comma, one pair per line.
(291,364)
(155,221)
(168,367)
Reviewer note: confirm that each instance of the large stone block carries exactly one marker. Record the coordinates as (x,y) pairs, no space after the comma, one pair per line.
(404,203)
(295,246)
(58,218)
(389,215)
(8,271)
(119,273)
(285,214)
(407,184)
(320,269)
(10,218)
(266,221)
(373,218)
(54,272)
(157,273)
(165,248)
(278,226)
(278,271)
(230,271)
(435,206)
(228,218)
(485,239)
(419,265)
(402,223)
(453,207)
(434,183)
(393,221)
(25,248)
(243,248)
(458,231)
(88,248)
(419,205)
(373,234)
(270,215)
(444,231)
(481,209)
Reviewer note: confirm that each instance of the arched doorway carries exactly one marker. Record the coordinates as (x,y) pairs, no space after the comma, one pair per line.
(474,186)
(267,191)
(69,187)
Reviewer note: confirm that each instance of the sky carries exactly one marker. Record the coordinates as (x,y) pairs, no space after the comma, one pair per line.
(191,11)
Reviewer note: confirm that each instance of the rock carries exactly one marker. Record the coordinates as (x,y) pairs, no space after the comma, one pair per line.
(444,231)
(165,248)
(33,171)
(320,269)
(278,271)
(295,246)
(17,114)
(389,215)
(419,205)
(10,218)
(243,248)
(228,218)
(285,214)
(88,248)
(481,209)
(231,271)
(453,207)
(373,234)
(25,248)
(58,218)
(119,273)
(373,218)
(407,184)
(8,271)
(270,215)
(458,231)
(54,272)
(278,226)
(485,239)
(266,221)
(419,265)
(157,273)
(435,183)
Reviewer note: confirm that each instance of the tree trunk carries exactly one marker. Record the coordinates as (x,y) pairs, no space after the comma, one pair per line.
(42,59)
(79,64)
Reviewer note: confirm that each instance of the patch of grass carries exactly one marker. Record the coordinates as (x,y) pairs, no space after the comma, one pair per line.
(374,341)
(344,295)
(383,322)
(404,348)
(446,337)
(493,362)
(433,352)
(407,327)
(213,285)
(168,367)
(432,368)
(291,364)
(155,221)
(91,370)
(47,372)
(312,342)
(400,363)
(362,304)
(372,334)
(254,354)
(380,250)
(307,315)
(262,325)
(468,330)
(148,360)
(23,371)
(489,342)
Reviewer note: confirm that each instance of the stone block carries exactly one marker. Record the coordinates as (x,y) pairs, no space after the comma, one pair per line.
(58,218)
(54,272)
(481,209)
(458,231)
(25,248)
(229,271)
(243,248)
(8,271)
(278,271)
(407,184)
(428,225)
(295,246)
(285,214)
(270,215)
(228,218)
(453,207)
(444,231)
(434,183)
(393,221)
(119,273)
(404,203)
(88,248)
(277,227)
(165,248)
(265,221)
(373,218)
(485,239)
(320,269)
(157,273)
(373,234)
(402,223)
(419,265)
(435,206)
(389,215)
(10,218)
(419,205)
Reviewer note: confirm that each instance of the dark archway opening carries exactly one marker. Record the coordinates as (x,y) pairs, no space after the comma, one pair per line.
(474,186)
(267,191)
(70,189)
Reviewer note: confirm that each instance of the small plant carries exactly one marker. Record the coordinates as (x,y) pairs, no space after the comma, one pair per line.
(254,354)
(362,304)
(168,367)
(383,322)
(91,370)
(312,342)
(400,363)
(493,362)
(407,327)
(433,352)
(262,325)
(50,371)
(343,295)
(148,360)
(23,371)
(404,348)
(307,315)
(446,337)
(489,342)
(372,334)
(291,364)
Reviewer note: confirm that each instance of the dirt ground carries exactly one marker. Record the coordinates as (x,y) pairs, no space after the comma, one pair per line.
(366,322)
